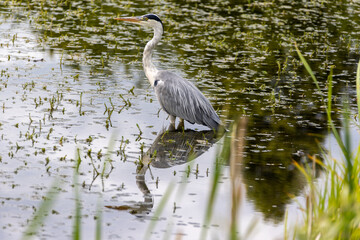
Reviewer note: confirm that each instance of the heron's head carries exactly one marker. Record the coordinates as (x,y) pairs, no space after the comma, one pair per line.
(148,20)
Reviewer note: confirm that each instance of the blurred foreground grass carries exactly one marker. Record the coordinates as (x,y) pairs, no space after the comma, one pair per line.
(332,211)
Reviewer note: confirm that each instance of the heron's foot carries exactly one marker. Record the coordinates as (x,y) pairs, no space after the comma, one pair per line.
(171,127)
(181,126)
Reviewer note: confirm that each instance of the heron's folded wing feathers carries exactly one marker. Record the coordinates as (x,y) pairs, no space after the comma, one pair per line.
(180,98)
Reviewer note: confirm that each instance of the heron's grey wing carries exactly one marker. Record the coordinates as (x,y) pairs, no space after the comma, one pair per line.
(179,97)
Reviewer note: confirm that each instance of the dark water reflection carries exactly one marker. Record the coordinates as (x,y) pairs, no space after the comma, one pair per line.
(239,53)
(170,148)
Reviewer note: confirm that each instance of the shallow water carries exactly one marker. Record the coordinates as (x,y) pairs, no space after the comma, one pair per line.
(72,78)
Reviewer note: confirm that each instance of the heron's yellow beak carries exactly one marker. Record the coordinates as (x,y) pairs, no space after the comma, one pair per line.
(129,19)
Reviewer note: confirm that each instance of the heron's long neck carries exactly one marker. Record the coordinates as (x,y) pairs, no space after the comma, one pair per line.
(149,67)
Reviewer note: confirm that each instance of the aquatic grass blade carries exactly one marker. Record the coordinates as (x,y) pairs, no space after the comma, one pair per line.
(347,143)
(182,187)
(251,228)
(77,219)
(219,161)
(329,100)
(303,171)
(358,88)
(108,154)
(328,110)
(98,219)
(236,162)
(159,210)
(308,68)
(356,167)
(40,215)
(211,200)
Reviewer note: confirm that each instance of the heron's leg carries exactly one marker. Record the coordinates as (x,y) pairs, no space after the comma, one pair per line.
(172,123)
(171,128)
(172,120)
(181,125)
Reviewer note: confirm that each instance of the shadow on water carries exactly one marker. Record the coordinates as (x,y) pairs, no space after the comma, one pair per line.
(170,148)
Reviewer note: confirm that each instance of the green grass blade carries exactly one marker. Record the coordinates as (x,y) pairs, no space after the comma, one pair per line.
(358,88)
(98,220)
(211,200)
(159,210)
(40,215)
(330,78)
(347,143)
(215,182)
(220,161)
(108,154)
(308,68)
(77,220)
(328,107)
(286,225)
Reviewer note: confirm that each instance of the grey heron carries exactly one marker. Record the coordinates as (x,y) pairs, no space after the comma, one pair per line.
(177,96)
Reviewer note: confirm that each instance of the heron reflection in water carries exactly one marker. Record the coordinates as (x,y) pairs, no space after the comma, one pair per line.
(177,96)
(170,148)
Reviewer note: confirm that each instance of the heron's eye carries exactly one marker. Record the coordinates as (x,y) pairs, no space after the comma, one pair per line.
(144,18)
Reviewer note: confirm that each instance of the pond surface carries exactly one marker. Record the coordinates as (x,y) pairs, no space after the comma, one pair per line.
(72,78)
